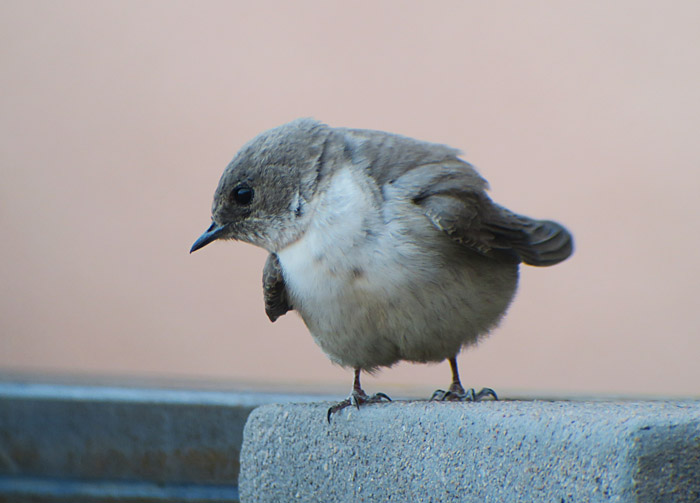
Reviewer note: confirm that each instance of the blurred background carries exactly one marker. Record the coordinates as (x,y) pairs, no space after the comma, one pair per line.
(119,117)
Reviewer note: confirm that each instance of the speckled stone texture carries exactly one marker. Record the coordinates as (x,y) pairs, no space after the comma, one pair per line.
(508,451)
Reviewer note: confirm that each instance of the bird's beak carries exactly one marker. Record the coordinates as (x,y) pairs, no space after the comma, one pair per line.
(213,233)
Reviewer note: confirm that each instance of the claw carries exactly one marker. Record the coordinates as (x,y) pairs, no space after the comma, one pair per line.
(338,406)
(438,394)
(455,395)
(379,396)
(484,393)
(356,399)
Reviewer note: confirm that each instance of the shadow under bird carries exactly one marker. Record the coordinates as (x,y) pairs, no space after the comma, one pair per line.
(388,247)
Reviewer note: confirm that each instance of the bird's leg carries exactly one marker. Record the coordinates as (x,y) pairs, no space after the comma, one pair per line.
(457,393)
(357,397)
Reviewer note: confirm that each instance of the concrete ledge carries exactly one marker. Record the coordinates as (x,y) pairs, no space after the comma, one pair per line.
(484,452)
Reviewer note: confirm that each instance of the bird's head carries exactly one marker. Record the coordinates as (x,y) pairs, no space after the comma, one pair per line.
(264,193)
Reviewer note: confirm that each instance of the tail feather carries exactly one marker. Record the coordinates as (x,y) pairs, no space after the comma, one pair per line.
(545,243)
(537,242)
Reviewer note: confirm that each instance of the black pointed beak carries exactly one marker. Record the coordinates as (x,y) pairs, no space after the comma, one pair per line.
(213,233)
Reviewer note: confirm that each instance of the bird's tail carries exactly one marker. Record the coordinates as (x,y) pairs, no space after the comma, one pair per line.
(537,242)
(547,243)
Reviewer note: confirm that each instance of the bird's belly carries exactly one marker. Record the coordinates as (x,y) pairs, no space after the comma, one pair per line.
(386,302)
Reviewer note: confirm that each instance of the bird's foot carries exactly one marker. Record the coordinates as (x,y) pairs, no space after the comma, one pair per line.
(356,399)
(456,393)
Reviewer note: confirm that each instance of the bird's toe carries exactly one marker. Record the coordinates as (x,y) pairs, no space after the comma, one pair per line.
(356,399)
(455,394)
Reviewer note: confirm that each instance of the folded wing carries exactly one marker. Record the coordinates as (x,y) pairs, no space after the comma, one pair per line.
(453,197)
(274,289)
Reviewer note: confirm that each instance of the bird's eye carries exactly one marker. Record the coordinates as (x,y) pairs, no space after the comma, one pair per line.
(242,195)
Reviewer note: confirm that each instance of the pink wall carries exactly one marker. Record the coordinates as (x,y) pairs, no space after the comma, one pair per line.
(118,118)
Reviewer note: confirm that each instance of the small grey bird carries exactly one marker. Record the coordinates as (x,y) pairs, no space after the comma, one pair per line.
(388,247)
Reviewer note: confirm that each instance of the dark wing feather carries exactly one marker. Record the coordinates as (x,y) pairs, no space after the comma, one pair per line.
(473,220)
(459,218)
(274,289)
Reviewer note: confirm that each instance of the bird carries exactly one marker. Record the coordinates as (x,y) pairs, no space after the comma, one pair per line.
(388,247)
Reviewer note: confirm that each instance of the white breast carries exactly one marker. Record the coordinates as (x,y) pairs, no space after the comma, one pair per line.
(336,245)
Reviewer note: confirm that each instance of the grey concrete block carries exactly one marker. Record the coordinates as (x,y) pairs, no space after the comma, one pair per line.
(508,451)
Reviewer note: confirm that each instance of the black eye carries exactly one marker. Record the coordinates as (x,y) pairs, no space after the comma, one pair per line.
(242,194)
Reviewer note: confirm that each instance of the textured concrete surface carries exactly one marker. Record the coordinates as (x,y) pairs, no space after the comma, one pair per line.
(100,443)
(530,451)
